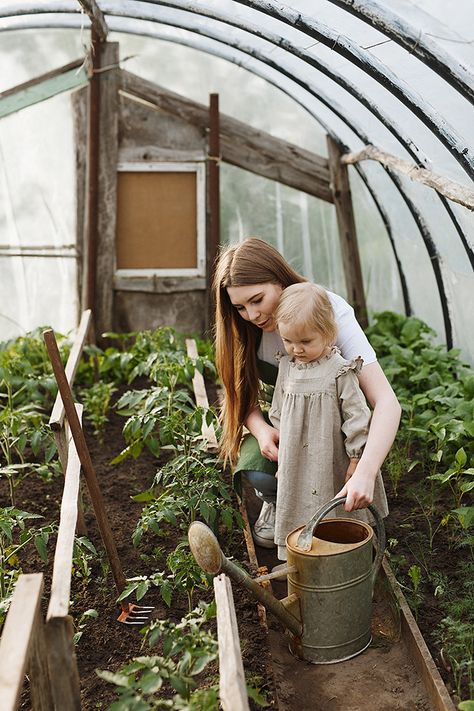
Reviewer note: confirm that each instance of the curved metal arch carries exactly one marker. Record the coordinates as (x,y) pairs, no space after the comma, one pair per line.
(346,48)
(373,68)
(330,105)
(411,39)
(187,6)
(278,41)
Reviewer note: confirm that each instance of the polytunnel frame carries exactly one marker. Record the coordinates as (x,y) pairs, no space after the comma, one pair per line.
(310,27)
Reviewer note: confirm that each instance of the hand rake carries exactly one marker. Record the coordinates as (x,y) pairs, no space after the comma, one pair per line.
(131,614)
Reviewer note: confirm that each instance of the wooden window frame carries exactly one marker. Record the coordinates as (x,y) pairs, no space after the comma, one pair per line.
(200,169)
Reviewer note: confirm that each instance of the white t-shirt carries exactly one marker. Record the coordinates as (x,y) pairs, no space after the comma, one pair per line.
(351,340)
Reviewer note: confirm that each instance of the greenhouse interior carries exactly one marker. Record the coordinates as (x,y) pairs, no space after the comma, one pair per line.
(152,151)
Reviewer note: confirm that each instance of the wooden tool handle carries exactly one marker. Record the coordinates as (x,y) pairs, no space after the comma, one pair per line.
(84,456)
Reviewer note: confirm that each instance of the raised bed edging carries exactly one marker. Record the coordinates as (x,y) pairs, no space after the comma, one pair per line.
(416,645)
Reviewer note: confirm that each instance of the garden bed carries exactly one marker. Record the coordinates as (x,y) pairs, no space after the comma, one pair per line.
(105,643)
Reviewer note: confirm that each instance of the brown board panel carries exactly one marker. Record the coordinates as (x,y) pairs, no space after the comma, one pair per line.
(156,220)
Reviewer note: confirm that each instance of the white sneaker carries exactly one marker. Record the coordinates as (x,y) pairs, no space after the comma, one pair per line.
(264,527)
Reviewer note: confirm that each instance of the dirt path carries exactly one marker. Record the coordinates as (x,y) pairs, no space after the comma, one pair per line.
(381,678)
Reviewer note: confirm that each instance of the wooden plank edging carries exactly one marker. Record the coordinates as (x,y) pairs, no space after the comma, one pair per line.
(232,688)
(200,395)
(22,647)
(57,415)
(417,647)
(61,582)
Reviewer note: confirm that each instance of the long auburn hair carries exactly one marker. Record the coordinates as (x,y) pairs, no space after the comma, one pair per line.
(252,261)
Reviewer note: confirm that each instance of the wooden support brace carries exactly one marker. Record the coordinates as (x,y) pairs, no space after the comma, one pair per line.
(347,232)
(22,647)
(232,688)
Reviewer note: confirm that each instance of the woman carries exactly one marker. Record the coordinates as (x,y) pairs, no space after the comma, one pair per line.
(248,282)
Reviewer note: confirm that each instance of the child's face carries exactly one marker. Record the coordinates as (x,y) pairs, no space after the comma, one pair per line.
(303,344)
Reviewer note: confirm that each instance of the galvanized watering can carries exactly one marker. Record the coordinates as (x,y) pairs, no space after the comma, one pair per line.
(330,582)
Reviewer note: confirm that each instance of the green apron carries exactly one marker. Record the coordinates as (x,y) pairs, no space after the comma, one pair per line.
(250,457)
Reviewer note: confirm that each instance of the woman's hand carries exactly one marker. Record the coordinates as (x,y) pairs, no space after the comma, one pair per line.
(351,469)
(266,435)
(359,490)
(268,439)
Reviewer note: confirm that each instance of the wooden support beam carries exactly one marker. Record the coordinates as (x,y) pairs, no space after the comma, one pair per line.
(347,232)
(22,647)
(450,189)
(213,201)
(241,145)
(96,17)
(104,266)
(71,76)
(232,688)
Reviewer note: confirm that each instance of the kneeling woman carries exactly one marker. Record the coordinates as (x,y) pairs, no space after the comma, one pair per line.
(248,283)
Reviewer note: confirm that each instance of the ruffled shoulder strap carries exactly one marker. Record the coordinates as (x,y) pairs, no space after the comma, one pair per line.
(355,365)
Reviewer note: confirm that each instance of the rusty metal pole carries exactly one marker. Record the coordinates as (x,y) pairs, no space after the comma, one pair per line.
(93,134)
(213,236)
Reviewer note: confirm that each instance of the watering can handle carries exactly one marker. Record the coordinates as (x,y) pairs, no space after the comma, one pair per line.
(305,539)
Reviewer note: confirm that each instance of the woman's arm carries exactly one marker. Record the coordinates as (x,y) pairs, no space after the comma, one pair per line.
(266,435)
(359,489)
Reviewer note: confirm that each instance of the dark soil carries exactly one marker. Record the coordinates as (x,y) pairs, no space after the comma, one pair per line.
(105,643)
(439,562)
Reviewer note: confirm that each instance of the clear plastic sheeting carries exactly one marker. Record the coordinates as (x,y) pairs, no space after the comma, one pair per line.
(38,217)
(398,76)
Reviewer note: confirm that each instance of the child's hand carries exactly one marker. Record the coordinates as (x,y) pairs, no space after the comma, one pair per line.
(359,490)
(268,442)
(351,469)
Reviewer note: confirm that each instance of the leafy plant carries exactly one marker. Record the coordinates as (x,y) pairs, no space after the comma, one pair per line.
(187,649)
(12,522)
(96,401)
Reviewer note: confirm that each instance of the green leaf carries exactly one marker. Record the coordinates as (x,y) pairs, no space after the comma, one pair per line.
(117,679)
(142,588)
(466,706)
(461,457)
(465,515)
(40,543)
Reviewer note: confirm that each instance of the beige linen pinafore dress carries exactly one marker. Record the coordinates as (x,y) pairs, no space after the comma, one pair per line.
(323,419)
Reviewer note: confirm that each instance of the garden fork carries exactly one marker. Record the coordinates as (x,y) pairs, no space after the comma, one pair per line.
(131,614)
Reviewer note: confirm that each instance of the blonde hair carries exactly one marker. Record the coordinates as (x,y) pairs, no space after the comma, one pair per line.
(252,261)
(307,306)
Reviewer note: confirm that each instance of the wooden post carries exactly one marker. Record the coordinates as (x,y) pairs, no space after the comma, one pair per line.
(232,689)
(65,684)
(22,647)
(213,236)
(107,186)
(347,232)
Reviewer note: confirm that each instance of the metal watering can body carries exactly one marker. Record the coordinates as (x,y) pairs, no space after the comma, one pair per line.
(330,582)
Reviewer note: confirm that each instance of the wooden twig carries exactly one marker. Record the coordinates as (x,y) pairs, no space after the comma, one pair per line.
(232,688)
(450,189)
(96,17)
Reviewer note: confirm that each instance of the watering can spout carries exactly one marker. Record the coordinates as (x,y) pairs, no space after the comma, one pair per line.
(209,556)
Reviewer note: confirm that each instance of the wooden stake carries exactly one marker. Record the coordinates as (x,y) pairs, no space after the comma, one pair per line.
(232,689)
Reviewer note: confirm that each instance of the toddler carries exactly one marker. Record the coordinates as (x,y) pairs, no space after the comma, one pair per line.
(320,411)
